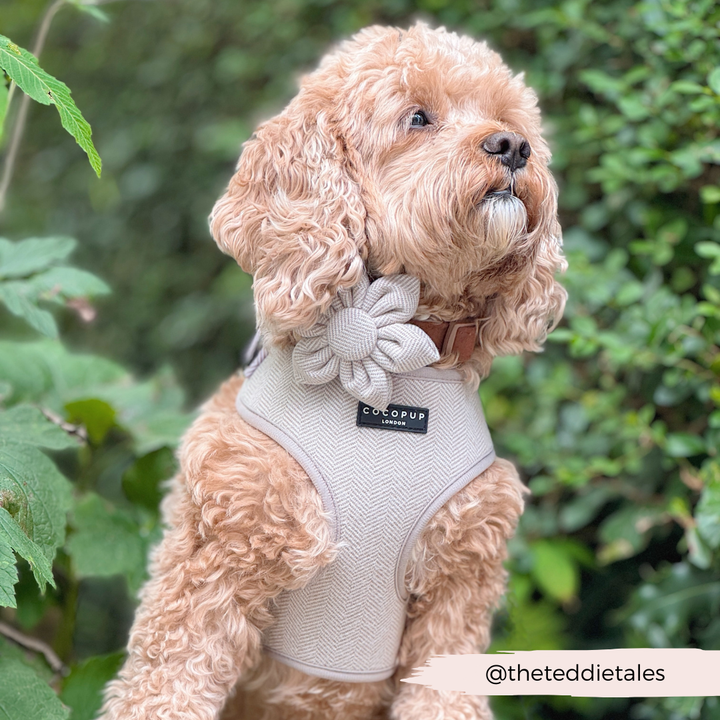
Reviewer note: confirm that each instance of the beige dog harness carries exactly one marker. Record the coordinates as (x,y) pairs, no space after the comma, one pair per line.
(381,474)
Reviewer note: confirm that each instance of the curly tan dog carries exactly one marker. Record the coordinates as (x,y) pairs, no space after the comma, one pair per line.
(413,152)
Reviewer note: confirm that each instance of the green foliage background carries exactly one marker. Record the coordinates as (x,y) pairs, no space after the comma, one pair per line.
(616,426)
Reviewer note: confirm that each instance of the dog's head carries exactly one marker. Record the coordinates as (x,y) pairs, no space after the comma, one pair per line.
(409,152)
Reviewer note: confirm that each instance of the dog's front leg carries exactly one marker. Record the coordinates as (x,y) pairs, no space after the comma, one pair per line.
(456,579)
(245,523)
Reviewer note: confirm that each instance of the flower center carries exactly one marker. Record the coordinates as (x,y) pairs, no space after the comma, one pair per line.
(351,334)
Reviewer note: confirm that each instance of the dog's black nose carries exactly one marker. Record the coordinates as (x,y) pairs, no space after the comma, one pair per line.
(512,149)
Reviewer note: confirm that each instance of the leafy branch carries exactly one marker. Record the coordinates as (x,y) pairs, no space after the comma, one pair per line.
(24,71)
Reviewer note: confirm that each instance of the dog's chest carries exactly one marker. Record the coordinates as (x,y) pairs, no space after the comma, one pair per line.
(381,477)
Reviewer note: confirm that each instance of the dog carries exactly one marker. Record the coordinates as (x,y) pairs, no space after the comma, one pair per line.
(409,156)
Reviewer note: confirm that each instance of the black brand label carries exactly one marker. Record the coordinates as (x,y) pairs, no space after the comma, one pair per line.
(396,417)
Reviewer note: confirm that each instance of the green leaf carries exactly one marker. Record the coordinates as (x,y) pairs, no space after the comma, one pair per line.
(602,83)
(95,415)
(3,105)
(714,80)
(666,607)
(8,576)
(142,481)
(69,282)
(26,267)
(627,531)
(684,445)
(708,249)
(107,542)
(23,258)
(46,372)
(687,87)
(25,424)
(534,625)
(82,688)
(555,570)
(583,508)
(151,411)
(93,11)
(707,515)
(11,535)
(23,695)
(19,299)
(35,493)
(159,429)
(698,552)
(710,194)
(22,67)
(31,603)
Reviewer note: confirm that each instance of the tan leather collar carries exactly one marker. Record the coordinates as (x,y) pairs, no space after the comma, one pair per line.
(458,336)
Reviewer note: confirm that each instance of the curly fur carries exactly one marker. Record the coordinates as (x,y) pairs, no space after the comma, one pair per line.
(337,185)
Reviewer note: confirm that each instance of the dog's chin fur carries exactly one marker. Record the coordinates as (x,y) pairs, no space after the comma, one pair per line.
(336,186)
(504,220)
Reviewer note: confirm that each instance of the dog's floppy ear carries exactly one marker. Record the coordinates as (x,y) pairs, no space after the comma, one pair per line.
(293,216)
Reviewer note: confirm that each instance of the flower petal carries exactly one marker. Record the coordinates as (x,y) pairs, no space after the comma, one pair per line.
(317,330)
(313,365)
(309,345)
(366,381)
(392,299)
(402,348)
(353,297)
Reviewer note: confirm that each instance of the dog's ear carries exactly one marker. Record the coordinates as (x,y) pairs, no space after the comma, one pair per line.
(293,216)
(520,316)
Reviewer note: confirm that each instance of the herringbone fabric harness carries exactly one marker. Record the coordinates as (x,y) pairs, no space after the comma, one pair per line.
(379,488)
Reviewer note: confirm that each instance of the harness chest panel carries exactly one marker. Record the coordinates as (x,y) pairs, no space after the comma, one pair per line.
(379,488)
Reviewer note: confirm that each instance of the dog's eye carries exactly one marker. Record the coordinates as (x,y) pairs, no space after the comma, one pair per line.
(419,119)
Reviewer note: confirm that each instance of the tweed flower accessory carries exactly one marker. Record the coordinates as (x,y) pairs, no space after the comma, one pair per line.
(363,338)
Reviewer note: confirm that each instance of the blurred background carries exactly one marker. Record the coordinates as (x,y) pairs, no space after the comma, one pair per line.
(615,426)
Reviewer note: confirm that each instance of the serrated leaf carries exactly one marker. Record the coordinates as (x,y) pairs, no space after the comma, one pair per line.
(151,411)
(23,258)
(35,494)
(12,536)
(8,576)
(29,277)
(27,424)
(47,373)
(106,542)
(24,695)
(69,282)
(18,298)
(22,67)
(82,688)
